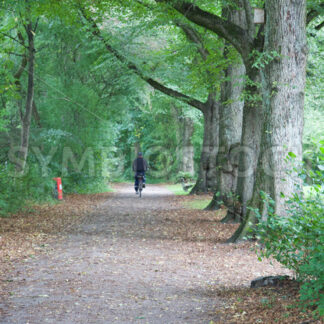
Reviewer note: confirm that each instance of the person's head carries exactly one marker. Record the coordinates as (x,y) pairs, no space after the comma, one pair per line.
(140,154)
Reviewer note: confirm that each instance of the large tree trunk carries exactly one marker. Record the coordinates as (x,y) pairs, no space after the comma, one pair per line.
(230,127)
(187,160)
(207,168)
(185,149)
(250,145)
(230,132)
(283,97)
(26,117)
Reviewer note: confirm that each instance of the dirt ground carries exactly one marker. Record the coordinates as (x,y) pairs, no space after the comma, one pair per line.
(129,260)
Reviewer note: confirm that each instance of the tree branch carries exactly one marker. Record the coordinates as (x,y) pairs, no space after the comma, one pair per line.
(36,24)
(13,38)
(175,94)
(313,13)
(194,37)
(131,66)
(234,34)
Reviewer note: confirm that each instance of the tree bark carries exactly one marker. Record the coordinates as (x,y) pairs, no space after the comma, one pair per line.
(283,97)
(245,40)
(187,161)
(26,117)
(250,145)
(252,125)
(230,131)
(230,125)
(185,149)
(207,167)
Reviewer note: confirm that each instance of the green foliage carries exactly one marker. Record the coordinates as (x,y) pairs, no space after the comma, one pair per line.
(78,183)
(314,96)
(92,109)
(261,59)
(87,100)
(184,176)
(297,241)
(16,190)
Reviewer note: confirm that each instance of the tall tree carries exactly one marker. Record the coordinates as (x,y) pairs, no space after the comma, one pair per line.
(284,86)
(250,43)
(27,114)
(247,41)
(206,180)
(23,33)
(210,108)
(230,125)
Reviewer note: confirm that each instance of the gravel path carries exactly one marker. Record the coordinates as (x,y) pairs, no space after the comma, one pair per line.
(111,270)
(123,266)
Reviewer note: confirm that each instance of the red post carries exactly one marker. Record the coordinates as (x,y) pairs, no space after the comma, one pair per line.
(59,188)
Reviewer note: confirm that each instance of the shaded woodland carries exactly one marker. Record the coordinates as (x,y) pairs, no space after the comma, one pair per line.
(209,91)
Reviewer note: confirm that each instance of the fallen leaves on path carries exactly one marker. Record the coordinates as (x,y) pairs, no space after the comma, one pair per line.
(264,305)
(30,231)
(221,271)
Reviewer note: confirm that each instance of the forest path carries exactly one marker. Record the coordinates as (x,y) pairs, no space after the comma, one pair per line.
(131,261)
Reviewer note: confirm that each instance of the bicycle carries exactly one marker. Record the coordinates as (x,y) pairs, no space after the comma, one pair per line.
(140,184)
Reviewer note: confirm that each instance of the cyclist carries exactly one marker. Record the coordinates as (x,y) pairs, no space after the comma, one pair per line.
(139,167)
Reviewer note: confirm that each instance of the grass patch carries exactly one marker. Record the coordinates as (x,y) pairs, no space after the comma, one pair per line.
(121,180)
(177,189)
(197,203)
(154,180)
(92,189)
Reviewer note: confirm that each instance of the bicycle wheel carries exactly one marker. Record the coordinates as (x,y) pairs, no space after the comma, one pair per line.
(140,186)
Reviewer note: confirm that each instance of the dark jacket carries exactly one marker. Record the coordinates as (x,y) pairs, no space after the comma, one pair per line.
(139,165)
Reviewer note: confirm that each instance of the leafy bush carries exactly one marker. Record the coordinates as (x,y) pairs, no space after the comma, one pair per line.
(83,183)
(297,241)
(17,190)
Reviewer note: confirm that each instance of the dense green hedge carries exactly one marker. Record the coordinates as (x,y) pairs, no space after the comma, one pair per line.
(297,241)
